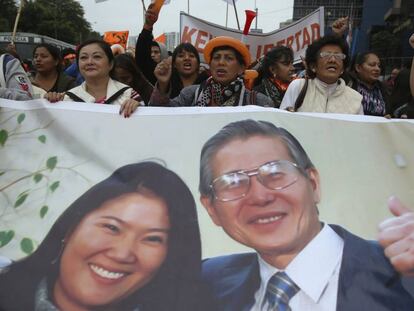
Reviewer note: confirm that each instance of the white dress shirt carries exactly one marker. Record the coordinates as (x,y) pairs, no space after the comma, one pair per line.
(315,270)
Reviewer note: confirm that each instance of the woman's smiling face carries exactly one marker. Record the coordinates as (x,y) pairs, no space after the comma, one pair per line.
(114,251)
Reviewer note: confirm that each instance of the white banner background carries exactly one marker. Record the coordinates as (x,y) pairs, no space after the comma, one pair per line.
(297,35)
(354,154)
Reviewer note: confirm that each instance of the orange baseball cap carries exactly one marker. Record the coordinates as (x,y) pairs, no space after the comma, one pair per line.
(227,41)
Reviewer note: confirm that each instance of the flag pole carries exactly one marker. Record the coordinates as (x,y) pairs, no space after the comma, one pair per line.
(143,6)
(227,13)
(16,22)
(188,7)
(237,17)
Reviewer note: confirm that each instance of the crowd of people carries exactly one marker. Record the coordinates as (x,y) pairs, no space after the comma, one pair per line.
(331,82)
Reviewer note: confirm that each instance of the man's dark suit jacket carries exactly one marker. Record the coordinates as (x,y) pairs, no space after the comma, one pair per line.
(367,281)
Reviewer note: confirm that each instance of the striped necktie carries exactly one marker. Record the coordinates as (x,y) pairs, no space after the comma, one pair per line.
(280,290)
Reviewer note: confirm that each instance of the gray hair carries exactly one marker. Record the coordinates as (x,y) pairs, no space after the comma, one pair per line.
(243,130)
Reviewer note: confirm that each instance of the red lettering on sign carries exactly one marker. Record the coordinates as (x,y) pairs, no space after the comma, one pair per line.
(289,41)
(201,40)
(281,42)
(267,47)
(259,51)
(306,38)
(316,31)
(297,40)
(186,37)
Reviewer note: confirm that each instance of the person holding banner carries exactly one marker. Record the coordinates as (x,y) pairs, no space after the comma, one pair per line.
(129,243)
(325,90)
(148,53)
(228,59)
(276,71)
(258,184)
(96,62)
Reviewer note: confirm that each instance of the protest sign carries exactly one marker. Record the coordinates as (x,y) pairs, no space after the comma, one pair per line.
(298,35)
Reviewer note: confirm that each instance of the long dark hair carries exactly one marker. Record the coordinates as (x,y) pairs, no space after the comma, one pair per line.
(139,82)
(276,54)
(54,51)
(176,83)
(174,287)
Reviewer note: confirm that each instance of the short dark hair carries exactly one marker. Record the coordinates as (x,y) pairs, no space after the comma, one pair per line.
(239,57)
(243,130)
(276,54)
(104,46)
(178,274)
(312,52)
(53,50)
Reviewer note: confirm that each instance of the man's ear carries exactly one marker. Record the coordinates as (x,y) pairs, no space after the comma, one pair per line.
(208,204)
(315,184)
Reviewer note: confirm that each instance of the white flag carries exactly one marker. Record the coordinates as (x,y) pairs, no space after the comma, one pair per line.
(230,1)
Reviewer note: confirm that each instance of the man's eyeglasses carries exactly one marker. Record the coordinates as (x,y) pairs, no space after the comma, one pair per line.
(275,175)
(338,56)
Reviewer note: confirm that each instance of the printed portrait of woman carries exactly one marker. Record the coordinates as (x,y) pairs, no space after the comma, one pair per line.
(131,242)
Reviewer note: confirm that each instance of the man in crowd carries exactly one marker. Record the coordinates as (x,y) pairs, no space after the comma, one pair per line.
(259,185)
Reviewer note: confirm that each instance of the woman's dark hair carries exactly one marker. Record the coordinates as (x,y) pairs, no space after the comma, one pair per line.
(176,83)
(361,58)
(277,54)
(174,287)
(53,50)
(139,82)
(239,57)
(104,46)
(312,52)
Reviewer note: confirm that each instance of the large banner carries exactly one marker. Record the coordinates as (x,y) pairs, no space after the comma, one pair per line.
(52,153)
(297,35)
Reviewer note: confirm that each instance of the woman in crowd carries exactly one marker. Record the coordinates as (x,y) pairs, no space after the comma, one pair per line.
(276,71)
(127,72)
(324,91)
(131,242)
(96,61)
(227,58)
(364,78)
(185,68)
(48,66)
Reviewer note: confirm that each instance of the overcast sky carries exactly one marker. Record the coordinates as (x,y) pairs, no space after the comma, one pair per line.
(127,14)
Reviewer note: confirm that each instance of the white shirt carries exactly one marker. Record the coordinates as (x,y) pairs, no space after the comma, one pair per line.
(315,270)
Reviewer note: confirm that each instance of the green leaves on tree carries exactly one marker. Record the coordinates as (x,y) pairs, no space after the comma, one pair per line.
(20,118)
(37,177)
(6,237)
(26,245)
(43,211)
(42,139)
(20,199)
(3,137)
(54,186)
(51,163)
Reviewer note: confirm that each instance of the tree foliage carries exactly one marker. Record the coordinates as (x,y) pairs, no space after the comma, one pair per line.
(385,43)
(60,19)
(8,14)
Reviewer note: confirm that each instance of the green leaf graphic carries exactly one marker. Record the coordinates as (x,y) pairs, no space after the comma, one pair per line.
(20,199)
(6,237)
(3,137)
(42,139)
(51,163)
(54,186)
(37,177)
(26,245)
(21,118)
(43,211)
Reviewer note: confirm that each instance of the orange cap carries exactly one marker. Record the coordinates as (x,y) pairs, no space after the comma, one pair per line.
(227,41)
